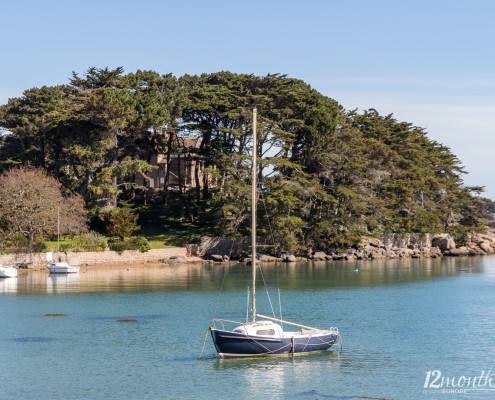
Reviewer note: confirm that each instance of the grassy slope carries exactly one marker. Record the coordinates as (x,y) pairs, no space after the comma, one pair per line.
(167,229)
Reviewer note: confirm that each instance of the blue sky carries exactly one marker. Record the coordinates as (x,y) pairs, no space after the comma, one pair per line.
(427,62)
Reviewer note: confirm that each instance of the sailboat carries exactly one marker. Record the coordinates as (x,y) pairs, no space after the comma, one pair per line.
(61,267)
(265,337)
(7,272)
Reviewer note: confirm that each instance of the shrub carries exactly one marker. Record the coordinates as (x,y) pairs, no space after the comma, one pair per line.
(93,241)
(119,245)
(122,223)
(39,245)
(194,240)
(93,247)
(135,243)
(19,240)
(139,243)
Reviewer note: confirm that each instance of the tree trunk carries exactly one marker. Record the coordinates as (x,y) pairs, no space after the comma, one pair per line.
(43,155)
(167,173)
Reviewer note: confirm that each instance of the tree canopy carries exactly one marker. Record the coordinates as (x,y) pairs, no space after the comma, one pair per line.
(30,202)
(327,175)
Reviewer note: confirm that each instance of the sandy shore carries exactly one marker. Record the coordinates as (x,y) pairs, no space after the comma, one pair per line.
(109,266)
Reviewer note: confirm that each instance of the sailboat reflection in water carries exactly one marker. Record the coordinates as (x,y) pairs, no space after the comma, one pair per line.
(266,337)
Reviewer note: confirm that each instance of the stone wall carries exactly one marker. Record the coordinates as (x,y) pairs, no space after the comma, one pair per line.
(27,259)
(390,245)
(403,240)
(234,249)
(94,257)
(224,247)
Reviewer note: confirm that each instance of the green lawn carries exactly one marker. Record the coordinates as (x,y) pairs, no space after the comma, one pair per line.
(164,231)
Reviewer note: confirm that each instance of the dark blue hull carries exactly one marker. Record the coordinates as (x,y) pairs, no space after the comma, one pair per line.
(232,344)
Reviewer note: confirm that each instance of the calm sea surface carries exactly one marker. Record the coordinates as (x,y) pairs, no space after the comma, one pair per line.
(398,319)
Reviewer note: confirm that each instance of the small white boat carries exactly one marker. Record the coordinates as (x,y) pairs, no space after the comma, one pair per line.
(62,268)
(7,272)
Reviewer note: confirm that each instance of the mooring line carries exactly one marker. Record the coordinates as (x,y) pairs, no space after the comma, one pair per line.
(206,336)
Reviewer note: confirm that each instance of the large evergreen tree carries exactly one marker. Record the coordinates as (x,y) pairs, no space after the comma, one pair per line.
(327,175)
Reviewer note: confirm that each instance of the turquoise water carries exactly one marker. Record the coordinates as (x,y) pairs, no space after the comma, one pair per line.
(398,319)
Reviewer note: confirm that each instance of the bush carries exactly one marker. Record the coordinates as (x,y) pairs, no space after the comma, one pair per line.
(140,243)
(119,245)
(93,241)
(19,240)
(122,223)
(135,243)
(194,240)
(66,246)
(93,247)
(39,245)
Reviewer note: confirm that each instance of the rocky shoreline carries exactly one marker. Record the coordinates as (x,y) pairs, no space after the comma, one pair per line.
(386,246)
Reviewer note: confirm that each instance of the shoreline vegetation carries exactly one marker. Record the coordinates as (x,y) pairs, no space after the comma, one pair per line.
(220,250)
(142,161)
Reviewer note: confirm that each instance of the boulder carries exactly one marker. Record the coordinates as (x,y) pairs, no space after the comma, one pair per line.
(226,258)
(24,265)
(267,258)
(177,260)
(376,255)
(375,243)
(390,254)
(443,244)
(289,257)
(332,251)
(435,252)
(216,257)
(485,246)
(461,251)
(319,256)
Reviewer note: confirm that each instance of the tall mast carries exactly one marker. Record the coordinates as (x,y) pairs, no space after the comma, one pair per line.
(253,215)
(58,231)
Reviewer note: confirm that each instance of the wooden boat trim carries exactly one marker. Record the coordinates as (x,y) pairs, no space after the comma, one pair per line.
(289,323)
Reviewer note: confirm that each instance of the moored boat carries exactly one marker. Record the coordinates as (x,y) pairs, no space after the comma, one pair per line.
(62,268)
(265,337)
(8,272)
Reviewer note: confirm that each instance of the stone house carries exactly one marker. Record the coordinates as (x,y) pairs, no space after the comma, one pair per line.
(182,168)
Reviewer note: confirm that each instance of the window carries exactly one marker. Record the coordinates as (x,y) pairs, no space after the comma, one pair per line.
(266,332)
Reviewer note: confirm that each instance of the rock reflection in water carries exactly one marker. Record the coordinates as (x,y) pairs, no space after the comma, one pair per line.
(198,277)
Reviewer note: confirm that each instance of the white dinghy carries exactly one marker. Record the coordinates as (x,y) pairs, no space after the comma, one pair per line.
(8,272)
(61,267)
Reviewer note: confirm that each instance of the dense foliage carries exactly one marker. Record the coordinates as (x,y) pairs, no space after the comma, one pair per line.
(327,175)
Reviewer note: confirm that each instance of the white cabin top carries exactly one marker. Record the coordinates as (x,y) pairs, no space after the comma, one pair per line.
(260,328)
